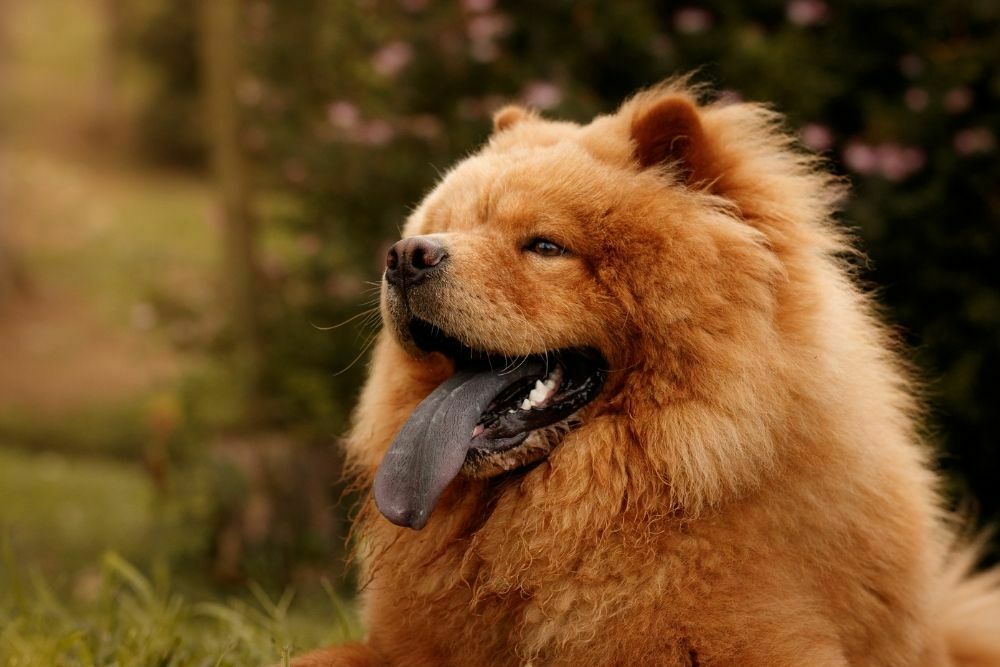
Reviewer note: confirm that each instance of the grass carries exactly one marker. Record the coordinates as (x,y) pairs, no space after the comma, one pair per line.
(70,595)
(60,511)
(129,619)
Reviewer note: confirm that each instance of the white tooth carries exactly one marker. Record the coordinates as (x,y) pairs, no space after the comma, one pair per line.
(512,411)
(525,404)
(541,392)
(550,384)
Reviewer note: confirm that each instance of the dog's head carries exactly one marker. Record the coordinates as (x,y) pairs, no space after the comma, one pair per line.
(565,270)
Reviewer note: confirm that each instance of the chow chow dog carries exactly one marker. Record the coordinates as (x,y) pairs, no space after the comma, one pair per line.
(630,407)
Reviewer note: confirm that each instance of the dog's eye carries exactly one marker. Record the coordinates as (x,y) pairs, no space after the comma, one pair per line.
(545,248)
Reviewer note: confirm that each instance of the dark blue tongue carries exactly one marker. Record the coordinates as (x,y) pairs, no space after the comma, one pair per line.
(429,450)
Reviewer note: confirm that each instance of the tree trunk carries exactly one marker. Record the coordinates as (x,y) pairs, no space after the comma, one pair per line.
(220,56)
(12,278)
(106,119)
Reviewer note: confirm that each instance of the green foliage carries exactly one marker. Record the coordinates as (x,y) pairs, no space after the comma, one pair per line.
(353,108)
(108,430)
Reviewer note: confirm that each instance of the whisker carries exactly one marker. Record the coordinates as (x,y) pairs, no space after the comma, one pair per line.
(363,334)
(507,363)
(348,320)
(370,329)
(364,349)
(621,370)
(519,364)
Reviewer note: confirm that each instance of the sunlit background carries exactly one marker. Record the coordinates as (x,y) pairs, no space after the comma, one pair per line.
(193,193)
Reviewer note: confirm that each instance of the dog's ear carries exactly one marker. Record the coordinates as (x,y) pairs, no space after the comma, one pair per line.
(669,131)
(509,116)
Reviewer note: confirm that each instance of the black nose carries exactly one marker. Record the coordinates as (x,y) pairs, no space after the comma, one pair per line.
(411,260)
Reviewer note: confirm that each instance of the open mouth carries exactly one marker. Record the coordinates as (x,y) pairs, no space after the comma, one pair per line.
(536,391)
(493,414)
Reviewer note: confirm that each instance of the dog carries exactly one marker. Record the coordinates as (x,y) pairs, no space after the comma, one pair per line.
(630,407)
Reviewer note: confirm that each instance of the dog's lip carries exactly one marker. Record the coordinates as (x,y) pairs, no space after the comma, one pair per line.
(429,337)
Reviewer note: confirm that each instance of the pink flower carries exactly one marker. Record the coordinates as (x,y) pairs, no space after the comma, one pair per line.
(487,26)
(911,65)
(343,115)
(542,94)
(376,133)
(414,5)
(425,127)
(897,162)
(478,5)
(392,58)
(892,161)
(806,12)
(692,20)
(484,30)
(957,100)
(916,99)
(860,158)
(817,137)
(974,140)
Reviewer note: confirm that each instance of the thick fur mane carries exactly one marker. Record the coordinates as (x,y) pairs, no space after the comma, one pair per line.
(750,487)
(774,394)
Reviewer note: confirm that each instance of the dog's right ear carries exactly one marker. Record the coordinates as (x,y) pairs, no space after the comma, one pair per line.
(509,116)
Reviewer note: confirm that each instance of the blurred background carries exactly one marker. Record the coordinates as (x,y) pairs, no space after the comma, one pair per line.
(193,193)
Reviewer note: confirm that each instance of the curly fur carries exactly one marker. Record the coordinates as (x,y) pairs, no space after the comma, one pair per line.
(750,488)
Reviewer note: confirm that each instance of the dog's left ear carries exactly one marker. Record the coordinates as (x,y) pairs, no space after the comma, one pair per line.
(509,116)
(669,131)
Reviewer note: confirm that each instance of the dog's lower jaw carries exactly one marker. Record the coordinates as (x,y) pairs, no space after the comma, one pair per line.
(536,447)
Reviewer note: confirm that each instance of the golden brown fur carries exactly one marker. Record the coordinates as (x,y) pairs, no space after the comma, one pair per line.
(749,489)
